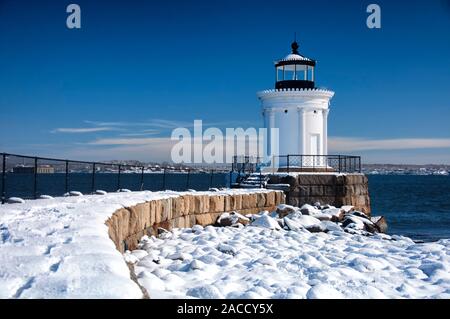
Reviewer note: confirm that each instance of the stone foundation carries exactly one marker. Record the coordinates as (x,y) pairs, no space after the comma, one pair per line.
(334,189)
(128,225)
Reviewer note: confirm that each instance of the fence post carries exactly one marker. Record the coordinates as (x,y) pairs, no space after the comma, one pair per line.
(339,160)
(314,162)
(260,178)
(288,159)
(4,179)
(142,178)
(118,177)
(164,180)
(359,162)
(93,178)
(66,183)
(211,178)
(231,179)
(35,177)
(188,177)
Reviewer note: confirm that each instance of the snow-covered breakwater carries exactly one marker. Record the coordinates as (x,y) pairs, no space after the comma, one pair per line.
(276,256)
(61,248)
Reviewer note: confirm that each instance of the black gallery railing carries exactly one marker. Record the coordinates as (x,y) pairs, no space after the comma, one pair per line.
(302,163)
(320,163)
(30,177)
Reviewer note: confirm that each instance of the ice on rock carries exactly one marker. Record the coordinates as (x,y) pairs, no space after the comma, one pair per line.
(266,221)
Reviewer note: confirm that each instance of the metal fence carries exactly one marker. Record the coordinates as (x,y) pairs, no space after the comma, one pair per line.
(320,163)
(30,177)
(303,163)
(245,164)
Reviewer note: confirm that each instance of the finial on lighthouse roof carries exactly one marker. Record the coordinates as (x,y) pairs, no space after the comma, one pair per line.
(295,47)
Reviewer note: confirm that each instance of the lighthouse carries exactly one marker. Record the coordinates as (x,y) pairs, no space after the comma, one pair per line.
(298,109)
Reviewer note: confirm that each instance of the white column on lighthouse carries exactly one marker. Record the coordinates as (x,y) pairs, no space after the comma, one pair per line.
(325,131)
(271,126)
(301,130)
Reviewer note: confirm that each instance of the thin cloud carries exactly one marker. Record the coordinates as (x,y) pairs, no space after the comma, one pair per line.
(346,144)
(168,124)
(128,141)
(159,123)
(81,130)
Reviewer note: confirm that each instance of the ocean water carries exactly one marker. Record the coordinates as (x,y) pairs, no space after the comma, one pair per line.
(414,206)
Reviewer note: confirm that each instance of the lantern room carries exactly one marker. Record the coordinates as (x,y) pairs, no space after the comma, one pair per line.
(295,71)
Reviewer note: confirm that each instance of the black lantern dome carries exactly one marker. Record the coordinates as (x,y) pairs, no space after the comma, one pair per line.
(295,71)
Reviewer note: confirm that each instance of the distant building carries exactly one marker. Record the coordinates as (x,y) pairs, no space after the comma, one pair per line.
(22,169)
(42,169)
(45,169)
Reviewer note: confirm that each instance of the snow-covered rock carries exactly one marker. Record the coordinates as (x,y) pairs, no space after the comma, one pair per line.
(100,192)
(347,208)
(233,218)
(205,292)
(324,291)
(306,220)
(73,194)
(15,200)
(310,210)
(255,262)
(46,197)
(266,221)
(291,224)
(284,210)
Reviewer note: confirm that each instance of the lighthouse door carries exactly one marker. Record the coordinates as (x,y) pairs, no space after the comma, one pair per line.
(315,148)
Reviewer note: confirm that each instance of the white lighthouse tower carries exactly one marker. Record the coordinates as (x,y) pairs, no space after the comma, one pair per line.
(298,109)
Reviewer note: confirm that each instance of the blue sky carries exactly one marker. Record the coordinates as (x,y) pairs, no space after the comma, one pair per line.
(137,69)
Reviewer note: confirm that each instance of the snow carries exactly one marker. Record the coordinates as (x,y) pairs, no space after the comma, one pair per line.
(60,248)
(259,262)
(266,221)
